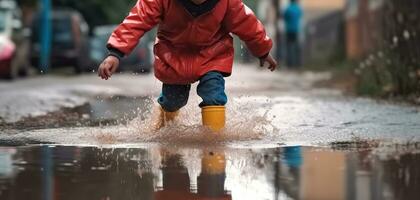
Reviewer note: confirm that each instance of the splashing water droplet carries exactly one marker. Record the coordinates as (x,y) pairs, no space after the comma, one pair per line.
(395,40)
(187,129)
(406,35)
(412,75)
(400,18)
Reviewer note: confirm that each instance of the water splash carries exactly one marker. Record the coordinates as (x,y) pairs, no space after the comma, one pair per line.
(245,122)
(252,121)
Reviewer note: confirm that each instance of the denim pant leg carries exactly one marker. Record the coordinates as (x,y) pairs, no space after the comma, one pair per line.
(174,97)
(212,90)
(292,50)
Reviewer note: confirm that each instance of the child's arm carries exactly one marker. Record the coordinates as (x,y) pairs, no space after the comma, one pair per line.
(142,18)
(241,21)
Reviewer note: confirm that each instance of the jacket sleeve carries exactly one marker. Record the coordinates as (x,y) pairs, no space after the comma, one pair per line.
(143,17)
(241,21)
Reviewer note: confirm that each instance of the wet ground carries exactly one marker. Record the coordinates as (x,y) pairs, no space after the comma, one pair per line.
(82,138)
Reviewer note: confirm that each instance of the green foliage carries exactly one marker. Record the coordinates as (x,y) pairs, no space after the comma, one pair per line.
(100,12)
(96,12)
(251,4)
(373,80)
(394,69)
(28,3)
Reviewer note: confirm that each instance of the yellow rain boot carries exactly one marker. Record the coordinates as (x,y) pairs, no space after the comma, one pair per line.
(214,117)
(163,118)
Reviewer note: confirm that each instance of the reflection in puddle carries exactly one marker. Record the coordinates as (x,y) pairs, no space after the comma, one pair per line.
(156,173)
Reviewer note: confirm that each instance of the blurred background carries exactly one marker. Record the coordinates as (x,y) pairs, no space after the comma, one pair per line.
(370,45)
(352,148)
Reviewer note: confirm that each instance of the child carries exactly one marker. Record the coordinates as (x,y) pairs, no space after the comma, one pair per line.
(193,44)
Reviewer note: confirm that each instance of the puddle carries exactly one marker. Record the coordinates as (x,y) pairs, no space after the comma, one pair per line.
(153,172)
(251,120)
(282,147)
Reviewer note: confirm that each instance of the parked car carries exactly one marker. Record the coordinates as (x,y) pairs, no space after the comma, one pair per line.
(14,42)
(70,40)
(140,60)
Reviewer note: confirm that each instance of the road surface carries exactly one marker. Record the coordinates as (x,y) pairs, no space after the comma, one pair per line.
(84,138)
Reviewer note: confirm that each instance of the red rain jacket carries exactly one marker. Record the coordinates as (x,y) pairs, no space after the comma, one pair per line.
(188,47)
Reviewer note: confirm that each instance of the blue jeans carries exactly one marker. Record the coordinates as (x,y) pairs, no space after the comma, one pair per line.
(211,89)
(293,50)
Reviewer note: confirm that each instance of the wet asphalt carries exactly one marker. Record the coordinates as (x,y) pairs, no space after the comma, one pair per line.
(68,137)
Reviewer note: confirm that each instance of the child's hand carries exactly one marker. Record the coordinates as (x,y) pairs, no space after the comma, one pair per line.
(270,60)
(108,67)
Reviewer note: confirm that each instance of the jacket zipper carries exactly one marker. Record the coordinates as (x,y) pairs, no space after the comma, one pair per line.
(191,54)
(189,67)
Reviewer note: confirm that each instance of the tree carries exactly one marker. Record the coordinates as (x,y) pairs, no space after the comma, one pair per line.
(96,12)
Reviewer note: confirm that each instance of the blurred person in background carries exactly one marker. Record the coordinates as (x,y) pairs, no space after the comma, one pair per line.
(292,17)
